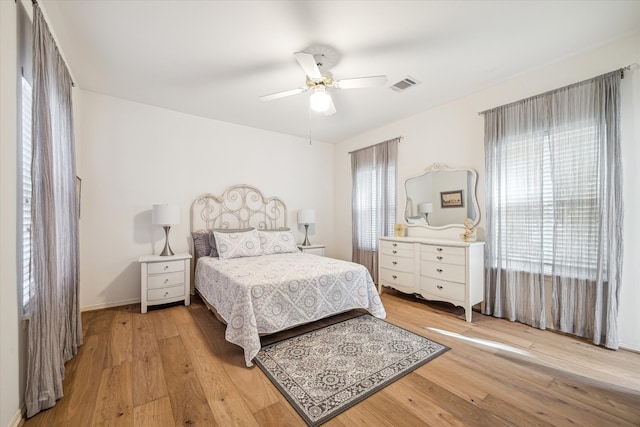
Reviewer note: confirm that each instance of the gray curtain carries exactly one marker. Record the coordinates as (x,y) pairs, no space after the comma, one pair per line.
(54,328)
(374,177)
(554,209)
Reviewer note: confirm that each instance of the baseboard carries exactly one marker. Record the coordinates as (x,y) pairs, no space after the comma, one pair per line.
(628,347)
(17,419)
(109,305)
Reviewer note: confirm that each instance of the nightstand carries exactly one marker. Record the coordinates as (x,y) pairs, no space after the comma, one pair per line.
(312,249)
(164,279)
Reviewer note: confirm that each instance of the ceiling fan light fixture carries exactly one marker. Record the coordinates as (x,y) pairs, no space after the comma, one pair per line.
(320,100)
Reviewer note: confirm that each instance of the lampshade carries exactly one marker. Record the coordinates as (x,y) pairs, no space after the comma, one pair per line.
(320,99)
(306,216)
(426,207)
(165,215)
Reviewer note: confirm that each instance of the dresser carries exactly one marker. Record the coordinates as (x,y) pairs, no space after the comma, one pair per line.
(164,279)
(439,270)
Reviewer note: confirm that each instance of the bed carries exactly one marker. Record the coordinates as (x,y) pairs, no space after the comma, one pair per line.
(275,287)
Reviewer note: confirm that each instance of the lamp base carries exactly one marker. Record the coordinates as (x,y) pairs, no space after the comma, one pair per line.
(306,236)
(167,249)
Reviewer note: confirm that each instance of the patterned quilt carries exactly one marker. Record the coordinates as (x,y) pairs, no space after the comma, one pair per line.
(266,294)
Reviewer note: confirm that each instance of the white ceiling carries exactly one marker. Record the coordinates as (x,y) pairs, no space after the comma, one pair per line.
(215,58)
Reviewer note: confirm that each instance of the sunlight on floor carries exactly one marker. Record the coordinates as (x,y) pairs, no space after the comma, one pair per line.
(487,343)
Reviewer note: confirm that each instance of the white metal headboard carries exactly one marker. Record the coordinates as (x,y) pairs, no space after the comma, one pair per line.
(240,206)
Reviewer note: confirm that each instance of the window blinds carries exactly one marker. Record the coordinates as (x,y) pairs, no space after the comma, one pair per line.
(26,153)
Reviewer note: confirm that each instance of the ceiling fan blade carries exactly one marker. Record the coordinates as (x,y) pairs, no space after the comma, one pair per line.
(308,64)
(283,94)
(361,82)
(332,108)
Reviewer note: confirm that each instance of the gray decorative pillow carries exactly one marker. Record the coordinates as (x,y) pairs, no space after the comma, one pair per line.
(201,244)
(237,245)
(277,242)
(212,239)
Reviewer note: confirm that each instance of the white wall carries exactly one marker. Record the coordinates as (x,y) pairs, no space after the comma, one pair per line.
(133,155)
(9,323)
(453,134)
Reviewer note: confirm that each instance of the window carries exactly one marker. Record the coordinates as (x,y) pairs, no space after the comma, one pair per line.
(26,151)
(373,209)
(368,205)
(560,186)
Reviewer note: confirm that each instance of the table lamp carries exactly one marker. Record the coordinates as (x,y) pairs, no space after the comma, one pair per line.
(306,217)
(166,216)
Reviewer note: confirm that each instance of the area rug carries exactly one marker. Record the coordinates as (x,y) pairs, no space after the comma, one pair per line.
(327,371)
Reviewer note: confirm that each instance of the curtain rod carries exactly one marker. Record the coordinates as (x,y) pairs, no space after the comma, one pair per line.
(399,138)
(35,3)
(630,67)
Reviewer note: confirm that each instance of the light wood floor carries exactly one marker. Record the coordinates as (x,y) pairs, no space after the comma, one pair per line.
(172,367)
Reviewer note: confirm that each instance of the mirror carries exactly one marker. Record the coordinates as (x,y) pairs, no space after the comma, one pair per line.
(442,197)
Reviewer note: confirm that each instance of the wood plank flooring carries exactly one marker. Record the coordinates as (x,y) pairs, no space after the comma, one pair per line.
(172,367)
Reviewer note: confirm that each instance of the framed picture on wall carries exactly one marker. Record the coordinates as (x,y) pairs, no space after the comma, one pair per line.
(451,199)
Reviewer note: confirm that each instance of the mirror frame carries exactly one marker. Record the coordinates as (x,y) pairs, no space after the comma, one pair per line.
(435,167)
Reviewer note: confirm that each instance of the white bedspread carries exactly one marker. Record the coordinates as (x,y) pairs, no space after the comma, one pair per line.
(266,294)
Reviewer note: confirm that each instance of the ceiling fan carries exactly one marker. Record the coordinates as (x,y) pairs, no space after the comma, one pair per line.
(320,80)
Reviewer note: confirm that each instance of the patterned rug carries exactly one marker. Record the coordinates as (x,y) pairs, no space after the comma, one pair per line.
(326,371)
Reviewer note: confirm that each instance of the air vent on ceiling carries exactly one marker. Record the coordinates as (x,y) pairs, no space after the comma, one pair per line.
(405,84)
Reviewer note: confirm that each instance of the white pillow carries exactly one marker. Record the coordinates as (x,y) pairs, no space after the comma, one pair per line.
(277,242)
(238,245)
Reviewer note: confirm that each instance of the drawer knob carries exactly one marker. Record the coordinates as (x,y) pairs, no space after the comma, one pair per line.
(394,277)
(439,258)
(395,252)
(166,293)
(439,249)
(166,267)
(395,244)
(394,262)
(439,270)
(439,287)
(166,280)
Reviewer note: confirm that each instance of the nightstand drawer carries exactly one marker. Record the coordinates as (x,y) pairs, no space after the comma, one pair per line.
(165,280)
(165,267)
(165,293)
(450,272)
(442,288)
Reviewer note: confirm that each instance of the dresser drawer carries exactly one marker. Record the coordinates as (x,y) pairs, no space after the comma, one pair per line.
(165,293)
(396,263)
(442,250)
(165,267)
(165,280)
(401,281)
(450,272)
(401,249)
(443,257)
(442,289)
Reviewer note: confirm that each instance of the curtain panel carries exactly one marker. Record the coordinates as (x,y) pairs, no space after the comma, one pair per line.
(554,209)
(373,177)
(54,327)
